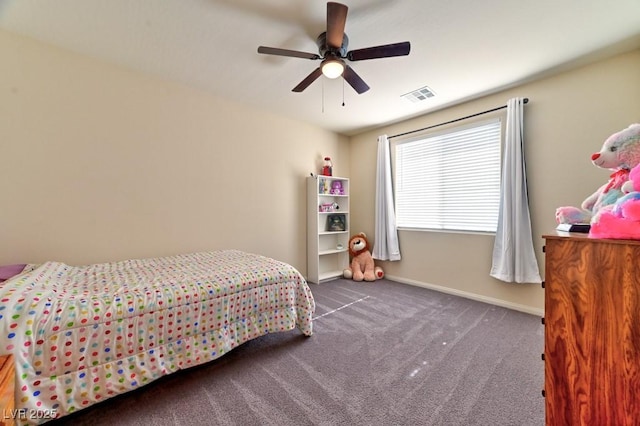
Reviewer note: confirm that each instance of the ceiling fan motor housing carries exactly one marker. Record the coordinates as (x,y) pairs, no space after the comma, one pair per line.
(323,48)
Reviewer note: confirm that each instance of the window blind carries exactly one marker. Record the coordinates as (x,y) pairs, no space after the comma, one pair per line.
(450,181)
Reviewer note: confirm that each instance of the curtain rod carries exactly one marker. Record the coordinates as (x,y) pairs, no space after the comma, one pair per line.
(525,100)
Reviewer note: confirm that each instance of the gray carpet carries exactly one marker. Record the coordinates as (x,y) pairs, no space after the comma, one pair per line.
(382,353)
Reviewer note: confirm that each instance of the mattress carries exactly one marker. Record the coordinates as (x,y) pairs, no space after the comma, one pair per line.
(83,334)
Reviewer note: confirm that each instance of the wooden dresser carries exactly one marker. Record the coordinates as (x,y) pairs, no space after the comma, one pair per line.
(592,331)
(7,390)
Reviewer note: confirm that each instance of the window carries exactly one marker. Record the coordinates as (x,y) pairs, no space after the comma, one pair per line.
(451,180)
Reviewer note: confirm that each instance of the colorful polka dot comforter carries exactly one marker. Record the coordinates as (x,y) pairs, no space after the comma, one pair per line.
(83,334)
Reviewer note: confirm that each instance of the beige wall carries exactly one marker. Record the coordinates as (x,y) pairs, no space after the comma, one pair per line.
(567,118)
(99,163)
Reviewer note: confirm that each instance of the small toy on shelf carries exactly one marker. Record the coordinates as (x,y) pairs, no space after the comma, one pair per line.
(327,168)
(323,186)
(328,207)
(337,188)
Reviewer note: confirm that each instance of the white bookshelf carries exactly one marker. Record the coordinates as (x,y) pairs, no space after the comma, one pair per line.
(327,246)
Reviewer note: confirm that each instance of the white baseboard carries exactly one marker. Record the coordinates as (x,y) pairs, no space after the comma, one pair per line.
(472,296)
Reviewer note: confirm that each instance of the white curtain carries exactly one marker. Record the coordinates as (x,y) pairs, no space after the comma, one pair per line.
(514,257)
(385,246)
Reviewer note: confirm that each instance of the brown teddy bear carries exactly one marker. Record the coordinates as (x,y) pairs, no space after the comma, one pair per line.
(362,264)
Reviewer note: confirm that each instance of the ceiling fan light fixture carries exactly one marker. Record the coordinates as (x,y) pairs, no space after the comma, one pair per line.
(332,67)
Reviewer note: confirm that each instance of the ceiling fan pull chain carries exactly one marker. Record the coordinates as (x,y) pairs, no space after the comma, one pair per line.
(342,91)
(322,82)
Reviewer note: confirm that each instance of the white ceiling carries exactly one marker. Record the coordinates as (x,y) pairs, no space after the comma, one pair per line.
(461,49)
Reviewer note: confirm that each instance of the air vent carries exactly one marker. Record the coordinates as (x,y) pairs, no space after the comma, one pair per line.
(419,95)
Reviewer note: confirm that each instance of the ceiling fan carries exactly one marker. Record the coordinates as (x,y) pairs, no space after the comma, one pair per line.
(332,46)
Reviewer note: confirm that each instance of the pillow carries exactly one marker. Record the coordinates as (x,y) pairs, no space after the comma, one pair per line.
(9,271)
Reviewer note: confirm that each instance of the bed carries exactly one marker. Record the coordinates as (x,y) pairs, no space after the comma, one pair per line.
(83,334)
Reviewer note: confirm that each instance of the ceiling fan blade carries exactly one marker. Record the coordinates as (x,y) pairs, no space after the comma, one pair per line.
(308,80)
(354,80)
(286,52)
(336,19)
(384,51)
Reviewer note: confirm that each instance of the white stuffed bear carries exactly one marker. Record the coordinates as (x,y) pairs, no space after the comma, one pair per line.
(620,153)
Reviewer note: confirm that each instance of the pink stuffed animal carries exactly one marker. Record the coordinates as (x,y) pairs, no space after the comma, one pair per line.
(622,219)
(620,153)
(336,187)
